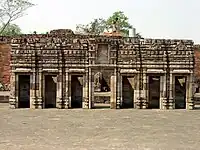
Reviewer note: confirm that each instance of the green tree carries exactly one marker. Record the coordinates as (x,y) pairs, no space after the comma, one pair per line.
(11,29)
(98,26)
(121,21)
(11,10)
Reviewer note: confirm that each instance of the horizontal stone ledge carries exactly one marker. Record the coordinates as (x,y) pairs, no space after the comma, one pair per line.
(181,71)
(22,70)
(76,70)
(129,71)
(50,70)
(155,71)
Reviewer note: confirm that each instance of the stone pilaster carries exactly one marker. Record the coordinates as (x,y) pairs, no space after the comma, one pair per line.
(66,100)
(162,90)
(144,100)
(91,89)
(86,90)
(69,90)
(138,93)
(171,99)
(39,90)
(113,88)
(12,98)
(189,101)
(165,92)
(33,90)
(59,90)
(118,83)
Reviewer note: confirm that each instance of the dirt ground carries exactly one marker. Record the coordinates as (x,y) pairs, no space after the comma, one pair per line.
(27,129)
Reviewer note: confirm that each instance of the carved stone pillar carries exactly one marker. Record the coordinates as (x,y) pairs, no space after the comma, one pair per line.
(190,102)
(113,88)
(171,99)
(59,90)
(138,93)
(162,89)
(66,100)
(144,99)
(86,90)
(39,90)
(91,89)
(33,90)
(12,98)
(117,84)
(147,91)
(165,92)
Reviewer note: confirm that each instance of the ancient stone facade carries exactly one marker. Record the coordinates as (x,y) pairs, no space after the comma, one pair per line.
(64,70)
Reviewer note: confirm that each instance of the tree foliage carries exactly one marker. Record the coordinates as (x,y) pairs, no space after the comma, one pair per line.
(11,29)
(98,26)
(121,21)
(10,10)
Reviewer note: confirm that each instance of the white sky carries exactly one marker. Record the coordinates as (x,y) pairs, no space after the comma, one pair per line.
(152,18)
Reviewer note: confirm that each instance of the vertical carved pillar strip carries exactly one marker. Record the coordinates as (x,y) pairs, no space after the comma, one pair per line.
(117,84)
(190,102)
(164,92)
(33,99)
(113,89)
(40,90)
(91,89)
(66,101)
(69,90)
(12,98)
(85,90)
(137,93)
(171,100)
(147,91)
(17,90)
(121,90)
(161,91)
(144,100)
(59,90)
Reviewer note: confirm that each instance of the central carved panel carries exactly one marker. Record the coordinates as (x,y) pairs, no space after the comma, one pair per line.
(102,54)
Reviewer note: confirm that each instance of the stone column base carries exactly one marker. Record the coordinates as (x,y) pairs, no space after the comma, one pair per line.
(165,104)
(168,104)
(37,103)
(143,104)
(40,103)
(171,103)
(113,105)
(66,103)
(190,105)
(12,103)
(59,103)
(86,103)
(138,103)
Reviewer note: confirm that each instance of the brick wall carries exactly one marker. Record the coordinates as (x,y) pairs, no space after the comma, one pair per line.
(5,65)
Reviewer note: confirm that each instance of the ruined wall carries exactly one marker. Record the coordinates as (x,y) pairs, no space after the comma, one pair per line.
(4,66)
(197,62)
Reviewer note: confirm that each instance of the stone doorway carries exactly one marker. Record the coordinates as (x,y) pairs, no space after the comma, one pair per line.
(76,91)
(127,92)
(154,92)
(180,92)
(50,91)
(24,91)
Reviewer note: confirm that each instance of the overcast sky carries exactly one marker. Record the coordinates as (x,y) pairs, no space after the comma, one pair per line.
(152,18)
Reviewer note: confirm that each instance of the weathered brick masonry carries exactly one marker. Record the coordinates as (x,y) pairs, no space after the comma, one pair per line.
(65,70)
(5,66)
